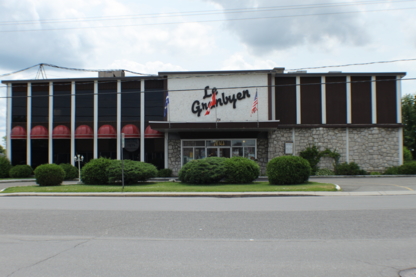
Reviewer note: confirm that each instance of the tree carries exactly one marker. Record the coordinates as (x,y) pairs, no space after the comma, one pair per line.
(409,122)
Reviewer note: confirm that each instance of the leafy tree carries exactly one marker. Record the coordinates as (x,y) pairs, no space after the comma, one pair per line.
(2,149)
(409,122)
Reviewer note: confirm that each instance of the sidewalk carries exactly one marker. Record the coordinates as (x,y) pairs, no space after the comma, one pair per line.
(218,194)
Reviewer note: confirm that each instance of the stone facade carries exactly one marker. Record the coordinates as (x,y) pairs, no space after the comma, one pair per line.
(373,149)
(174,158)
(262,155)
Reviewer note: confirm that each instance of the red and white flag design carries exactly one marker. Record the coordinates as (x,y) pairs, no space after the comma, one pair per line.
(212,103)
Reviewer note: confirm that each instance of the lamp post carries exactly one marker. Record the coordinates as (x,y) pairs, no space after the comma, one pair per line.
(79,158)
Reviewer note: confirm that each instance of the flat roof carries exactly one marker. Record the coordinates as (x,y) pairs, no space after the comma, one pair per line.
(277,72)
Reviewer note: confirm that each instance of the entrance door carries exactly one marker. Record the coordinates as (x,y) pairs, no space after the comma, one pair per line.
(219,152)
(225,152)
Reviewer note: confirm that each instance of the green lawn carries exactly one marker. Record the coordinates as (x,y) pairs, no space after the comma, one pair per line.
(176,187)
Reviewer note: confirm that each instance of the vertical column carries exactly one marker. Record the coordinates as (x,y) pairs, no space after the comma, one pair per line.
(166,150)
(95,155)
(399,116)
(119,119)
(273,88)
(9,122)
(323,99)
(294,142)
(349,111)
(298,114)
(72,123)
(142,120)
(373,100)
(399,98)
(29,125)
(50,126)
(347,145)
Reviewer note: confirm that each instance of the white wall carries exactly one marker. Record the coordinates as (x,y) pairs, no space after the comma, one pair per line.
(180,106)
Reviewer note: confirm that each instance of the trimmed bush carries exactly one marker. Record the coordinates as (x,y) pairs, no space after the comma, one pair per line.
(205,171)
(21,171)
(165,172)
(408,168)
(5,167)
(49,175)
(240,170)
(394,170)
(313,156)
(288,170)
(95,171)
(349,169)
(71,172)
(134,171)
(324,172)
(407,154)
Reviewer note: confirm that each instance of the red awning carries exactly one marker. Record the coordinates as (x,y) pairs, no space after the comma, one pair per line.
(107,131)
(18,132)
(84,132)
(150,133)
(39,132)
(61,132)
(130,131)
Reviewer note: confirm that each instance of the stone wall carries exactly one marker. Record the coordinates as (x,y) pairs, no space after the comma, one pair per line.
(373,149)
(174,157)
(262,155)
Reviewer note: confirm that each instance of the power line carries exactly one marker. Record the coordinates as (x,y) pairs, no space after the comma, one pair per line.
(200,89)
(198,13)
(205,21)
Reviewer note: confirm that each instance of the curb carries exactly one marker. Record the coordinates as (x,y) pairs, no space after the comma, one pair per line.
(214,194)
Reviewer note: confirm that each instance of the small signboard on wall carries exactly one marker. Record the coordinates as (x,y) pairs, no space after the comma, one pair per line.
(289,148)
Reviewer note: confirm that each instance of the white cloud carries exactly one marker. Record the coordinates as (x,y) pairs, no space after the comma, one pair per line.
(265,35)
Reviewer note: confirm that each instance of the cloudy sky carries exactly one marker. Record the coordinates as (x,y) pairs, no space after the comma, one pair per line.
(166,35)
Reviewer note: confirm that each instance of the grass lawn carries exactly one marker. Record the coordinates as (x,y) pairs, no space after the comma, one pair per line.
(176,187)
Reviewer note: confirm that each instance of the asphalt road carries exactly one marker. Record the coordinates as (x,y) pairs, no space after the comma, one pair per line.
(276,236)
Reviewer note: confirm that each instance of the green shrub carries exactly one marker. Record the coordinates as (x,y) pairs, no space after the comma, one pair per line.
(407,154)
(240,170)
(95,171)
(408,168)
(165,172)
(349,169)
(375,173)
(49,175)
(21,171)
(394,170)
(134,171)
(324,172)
(313,156)
(5,167)
(71,172)
(205,171)
(288,170)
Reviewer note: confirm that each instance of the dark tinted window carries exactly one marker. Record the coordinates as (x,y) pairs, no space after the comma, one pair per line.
(19,103)
(40,103)
(62,103)
(84,111)
(107,102)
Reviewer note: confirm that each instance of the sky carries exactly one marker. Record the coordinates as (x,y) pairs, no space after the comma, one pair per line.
(192,35)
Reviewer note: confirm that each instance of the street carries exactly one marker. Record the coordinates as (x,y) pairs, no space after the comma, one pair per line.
(260,236)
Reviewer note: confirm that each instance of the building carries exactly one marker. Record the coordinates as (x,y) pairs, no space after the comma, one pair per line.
(357,114)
